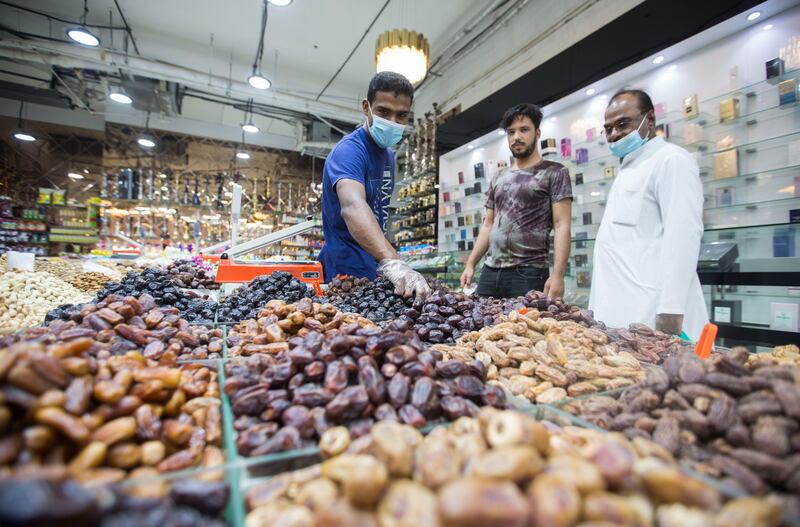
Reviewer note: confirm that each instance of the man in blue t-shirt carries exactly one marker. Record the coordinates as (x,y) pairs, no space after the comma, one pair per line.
(357,184)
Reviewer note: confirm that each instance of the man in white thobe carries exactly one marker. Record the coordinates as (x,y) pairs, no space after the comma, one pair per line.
(646,251)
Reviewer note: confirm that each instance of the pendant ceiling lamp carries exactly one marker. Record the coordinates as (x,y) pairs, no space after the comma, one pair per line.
(81,34)
(21,134)
(403,51)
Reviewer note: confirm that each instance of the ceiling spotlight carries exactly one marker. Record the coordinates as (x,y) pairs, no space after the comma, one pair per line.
(258,81)
(659,59)
(21,134)
(768,27)
(250,128)
(82,35)
(501,132)
(672,67)
(590,91)
(242,154)
(280,3)
(554,118)
(146,141)
(162,175)
(470,147)
(74,175)
(24,136)
(120,97)
(754,15)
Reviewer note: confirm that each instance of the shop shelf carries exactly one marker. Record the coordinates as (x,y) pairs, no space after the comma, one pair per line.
(751,118)
(752,89)
(735,207)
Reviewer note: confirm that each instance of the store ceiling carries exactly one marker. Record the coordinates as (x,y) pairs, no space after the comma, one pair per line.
(312,38)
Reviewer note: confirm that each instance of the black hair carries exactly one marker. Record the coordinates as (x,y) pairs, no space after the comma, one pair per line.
(389,81)
(524,109)
(644,101)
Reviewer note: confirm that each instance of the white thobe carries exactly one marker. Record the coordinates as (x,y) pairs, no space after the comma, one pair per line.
(646,251)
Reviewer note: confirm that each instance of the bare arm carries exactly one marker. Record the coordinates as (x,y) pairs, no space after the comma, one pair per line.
(361,221)
(480,248)
(562,219)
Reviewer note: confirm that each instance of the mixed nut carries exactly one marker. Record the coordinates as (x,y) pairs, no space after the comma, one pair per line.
(26,297)
(499,469)
(731,420)
(546,360)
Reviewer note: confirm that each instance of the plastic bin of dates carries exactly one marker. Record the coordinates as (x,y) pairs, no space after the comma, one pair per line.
(502,468)
(100,419)
(27,502)
(353,377)
(117,325)
(727,419)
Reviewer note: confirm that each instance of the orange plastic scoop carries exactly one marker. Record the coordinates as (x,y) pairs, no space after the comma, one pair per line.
(706,341)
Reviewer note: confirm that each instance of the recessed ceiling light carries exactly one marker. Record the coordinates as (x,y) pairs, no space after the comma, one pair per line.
(554,118)
(250,128)
(481,149)
(754,15)
(768,27)
(146,142)
(470,147)
(81,35)
(672,67)
(501,132)
(241,154)
(659,59)
(24,136)
(258,81)
(120,97)
(280,3)
(75,175)
(590,91)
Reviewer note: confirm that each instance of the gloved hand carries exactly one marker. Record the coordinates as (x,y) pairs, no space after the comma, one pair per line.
(406,280)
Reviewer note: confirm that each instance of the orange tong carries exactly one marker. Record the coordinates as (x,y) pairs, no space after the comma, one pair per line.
(706,341)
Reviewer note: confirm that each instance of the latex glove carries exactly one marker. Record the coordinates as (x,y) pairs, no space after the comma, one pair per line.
(406,280)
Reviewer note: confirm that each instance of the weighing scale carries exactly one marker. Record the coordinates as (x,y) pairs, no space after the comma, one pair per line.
(231,273)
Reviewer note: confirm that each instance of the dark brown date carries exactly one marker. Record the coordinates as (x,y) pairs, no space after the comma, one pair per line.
(300,418)
(374,383)
(311,395)
(348,404)
(385,412)
(450,369)
(398,390)
(468,386)
(411,416)
(336,376)
(315,370)
(424,396)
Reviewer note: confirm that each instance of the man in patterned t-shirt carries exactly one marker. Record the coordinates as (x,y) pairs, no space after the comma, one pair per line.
(523,204)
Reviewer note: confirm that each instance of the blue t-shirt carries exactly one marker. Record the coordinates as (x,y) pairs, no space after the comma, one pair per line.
(359,158)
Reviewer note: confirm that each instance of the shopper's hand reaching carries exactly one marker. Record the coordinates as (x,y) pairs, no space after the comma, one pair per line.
(466,276)
(554,287)
(406,280)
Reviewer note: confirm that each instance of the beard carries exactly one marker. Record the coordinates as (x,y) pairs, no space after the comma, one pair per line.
(522,154)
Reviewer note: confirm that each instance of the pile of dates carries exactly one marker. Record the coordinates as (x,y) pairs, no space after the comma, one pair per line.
(117,325)
(501,469)
(445,316)
(246,301)
(160,286)
(646,344)
(731,421)
(353,377)
(97,419)
(278,322)
(191,274)
(343,285)
(546,360)
(554,308)
(45,502)
(375,300)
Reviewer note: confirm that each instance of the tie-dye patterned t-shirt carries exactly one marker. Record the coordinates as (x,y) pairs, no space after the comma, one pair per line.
(523,217)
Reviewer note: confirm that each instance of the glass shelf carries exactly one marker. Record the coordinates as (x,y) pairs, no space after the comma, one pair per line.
(752,118)
(735,207)
(756,88)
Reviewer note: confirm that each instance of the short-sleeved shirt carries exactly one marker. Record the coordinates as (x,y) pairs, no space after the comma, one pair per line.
(359,158)
(523,216)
